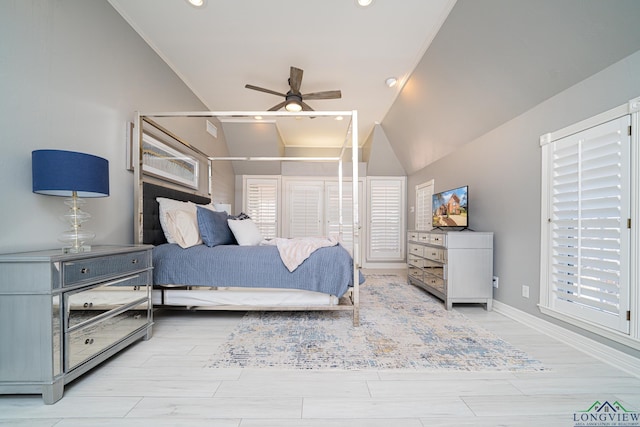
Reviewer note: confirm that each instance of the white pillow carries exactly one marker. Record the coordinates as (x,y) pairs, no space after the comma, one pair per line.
(245,231)
(184,228)
(167,205)
(171,205)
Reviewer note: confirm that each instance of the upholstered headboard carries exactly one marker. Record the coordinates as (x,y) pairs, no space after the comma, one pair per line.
(152,233)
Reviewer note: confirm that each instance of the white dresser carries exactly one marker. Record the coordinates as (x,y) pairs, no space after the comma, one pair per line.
(455,266)
(63,314)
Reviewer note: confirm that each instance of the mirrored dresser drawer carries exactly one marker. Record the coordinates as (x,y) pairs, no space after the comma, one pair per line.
(94,336)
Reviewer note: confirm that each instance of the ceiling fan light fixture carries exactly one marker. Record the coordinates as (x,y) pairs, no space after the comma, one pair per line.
(293,106)
(364,3)
(197,3)
(293,103)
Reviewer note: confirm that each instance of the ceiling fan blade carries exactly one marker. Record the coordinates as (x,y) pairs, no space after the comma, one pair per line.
(305,107)
(261,89)
(277,107)
(295,79)
(329,94)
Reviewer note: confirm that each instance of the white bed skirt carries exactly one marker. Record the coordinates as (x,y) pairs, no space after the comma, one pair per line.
(240,297)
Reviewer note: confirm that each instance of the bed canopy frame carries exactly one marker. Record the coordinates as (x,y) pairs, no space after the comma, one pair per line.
(350,142)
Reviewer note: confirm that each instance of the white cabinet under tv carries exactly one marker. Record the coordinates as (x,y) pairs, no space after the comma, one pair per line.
(455,266)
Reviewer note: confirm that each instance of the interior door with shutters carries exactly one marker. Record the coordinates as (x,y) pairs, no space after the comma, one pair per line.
(332,214)
(304,201)
(424,211)
(386,218)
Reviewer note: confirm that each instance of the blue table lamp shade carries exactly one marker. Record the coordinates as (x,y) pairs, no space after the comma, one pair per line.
(73,175)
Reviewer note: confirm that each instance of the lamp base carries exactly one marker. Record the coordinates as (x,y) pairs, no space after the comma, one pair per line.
(76,237)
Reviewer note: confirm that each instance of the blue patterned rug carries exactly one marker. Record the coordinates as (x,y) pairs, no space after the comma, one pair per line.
(401,327)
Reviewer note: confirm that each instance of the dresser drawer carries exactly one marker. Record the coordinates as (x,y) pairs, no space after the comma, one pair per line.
(424,237)
(415,261)
(99,268)
(97,301)
(437,283)
(436,270)
(415,272)
(435,254)
(84,343)
(438,239)
(415,249)
(412,236)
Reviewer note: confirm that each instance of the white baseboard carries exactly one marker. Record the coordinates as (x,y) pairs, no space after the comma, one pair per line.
(611,356)
(385,265)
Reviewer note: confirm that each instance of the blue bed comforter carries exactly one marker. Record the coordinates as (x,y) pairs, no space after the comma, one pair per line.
(328,270)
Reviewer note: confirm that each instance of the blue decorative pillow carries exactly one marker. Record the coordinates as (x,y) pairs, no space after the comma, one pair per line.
(214,228)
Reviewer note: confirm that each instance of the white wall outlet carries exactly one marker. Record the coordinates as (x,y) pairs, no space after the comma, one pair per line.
(495,282)
(525,291)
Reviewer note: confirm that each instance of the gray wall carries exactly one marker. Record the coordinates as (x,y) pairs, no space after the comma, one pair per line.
(502,169)
(72,73)
(379,155)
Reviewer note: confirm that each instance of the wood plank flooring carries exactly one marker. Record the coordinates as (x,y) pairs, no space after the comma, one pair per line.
(163,382)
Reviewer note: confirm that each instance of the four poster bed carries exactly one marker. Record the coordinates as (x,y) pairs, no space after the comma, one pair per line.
(236,271)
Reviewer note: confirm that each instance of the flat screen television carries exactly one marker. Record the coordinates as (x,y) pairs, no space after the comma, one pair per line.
(451,208)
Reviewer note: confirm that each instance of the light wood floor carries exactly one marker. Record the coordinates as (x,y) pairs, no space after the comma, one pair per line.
(163,382)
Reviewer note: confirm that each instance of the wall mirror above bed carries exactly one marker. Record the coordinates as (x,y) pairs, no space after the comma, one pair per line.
(167,157)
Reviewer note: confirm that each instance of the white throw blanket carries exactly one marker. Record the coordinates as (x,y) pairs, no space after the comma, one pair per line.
(294,251)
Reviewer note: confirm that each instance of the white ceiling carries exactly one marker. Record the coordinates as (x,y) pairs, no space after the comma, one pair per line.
(219,48)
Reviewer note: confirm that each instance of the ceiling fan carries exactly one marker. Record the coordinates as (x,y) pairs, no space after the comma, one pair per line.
(293,99)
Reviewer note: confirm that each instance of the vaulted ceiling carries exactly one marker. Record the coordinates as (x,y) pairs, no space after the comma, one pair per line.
(464,67)
(219,48)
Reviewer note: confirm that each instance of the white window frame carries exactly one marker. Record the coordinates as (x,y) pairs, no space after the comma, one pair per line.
(423,210)
(632,338)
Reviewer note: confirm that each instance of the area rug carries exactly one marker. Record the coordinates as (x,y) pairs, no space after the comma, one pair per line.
(401,327)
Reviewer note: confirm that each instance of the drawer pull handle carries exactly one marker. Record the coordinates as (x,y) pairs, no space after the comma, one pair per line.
(88,341)
(84,270)
(88,304)
(134,261)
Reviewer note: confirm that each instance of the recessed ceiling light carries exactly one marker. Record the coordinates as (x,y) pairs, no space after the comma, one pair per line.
(197,3)
(391,81)
(364,3)
(338,118)
(258,117)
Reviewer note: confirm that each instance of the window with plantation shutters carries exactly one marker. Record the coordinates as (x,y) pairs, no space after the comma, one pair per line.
(586,238)
(386,201)
(261,204)
(424,211)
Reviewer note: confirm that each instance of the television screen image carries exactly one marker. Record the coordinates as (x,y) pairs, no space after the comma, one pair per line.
(450,208)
